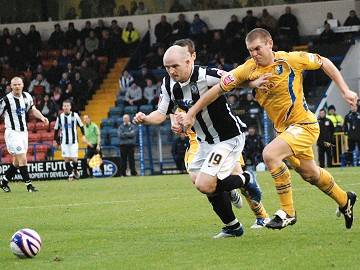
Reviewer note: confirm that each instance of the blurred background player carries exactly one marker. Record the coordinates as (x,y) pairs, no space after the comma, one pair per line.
(68,122)
(93,141)
(14,106)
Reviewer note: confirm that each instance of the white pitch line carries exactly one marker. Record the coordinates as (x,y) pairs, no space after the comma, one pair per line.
(122,201)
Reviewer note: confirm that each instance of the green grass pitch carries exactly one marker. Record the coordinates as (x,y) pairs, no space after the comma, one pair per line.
(162,222)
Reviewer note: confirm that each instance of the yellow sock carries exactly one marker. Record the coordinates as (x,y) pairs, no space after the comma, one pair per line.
(327,184)
(282,180)
(257,208)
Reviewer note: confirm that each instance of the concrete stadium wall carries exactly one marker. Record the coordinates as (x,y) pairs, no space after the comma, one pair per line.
(350,69)
(310,16)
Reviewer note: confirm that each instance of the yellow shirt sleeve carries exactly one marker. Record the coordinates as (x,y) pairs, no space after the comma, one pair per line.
(305,60)
(235,77)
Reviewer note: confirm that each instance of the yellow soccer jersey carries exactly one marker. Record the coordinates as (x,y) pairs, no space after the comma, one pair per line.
(283,100)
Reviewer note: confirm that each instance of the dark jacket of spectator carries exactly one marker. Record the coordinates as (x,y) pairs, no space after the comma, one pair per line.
(163,30)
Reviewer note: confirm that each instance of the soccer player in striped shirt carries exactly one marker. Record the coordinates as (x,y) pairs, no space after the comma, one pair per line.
(68,122)
(14,106)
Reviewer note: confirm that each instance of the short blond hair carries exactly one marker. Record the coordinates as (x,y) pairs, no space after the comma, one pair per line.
(256,33)
(16,79)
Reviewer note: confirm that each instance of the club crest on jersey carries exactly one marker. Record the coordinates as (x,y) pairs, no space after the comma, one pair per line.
(184,104)
(279,69)
(194,89)
(228,79)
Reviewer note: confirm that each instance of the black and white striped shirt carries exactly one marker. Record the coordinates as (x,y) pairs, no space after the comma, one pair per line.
(68,125)
(15,109)
(214,123)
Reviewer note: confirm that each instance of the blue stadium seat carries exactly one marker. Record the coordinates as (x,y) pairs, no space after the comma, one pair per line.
(130,110)
(116,111)
(119,121)
(146,109)
(113,132)
(115,141)
(119,101)
(108,122)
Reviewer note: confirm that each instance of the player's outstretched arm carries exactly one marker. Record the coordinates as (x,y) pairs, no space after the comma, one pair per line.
(210,96)
(154,118)
(39,115)
(334,74)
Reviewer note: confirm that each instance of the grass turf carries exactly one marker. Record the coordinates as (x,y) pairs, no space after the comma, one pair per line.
(162,222)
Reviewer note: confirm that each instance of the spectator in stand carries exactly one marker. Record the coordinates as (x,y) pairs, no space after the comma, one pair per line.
(106,8)
(85,32)
(91,42)
(253,147)
(125,81)
(233,28)
(330,16)
(79,47)
(87,73)
(70,71)
(178,150)
(48,108)
(217,45)
(177,7)
(71,35)
(197,25)
(141,9)
(71,14)
(127,134)
(54,73)
(131,37)
(234,103)
(57,38)
(336,119)
(64,81)
(77,60)
(68,94)
(57,96)
(288,26)
(100,28)
(107,47)
(64,58)
(133,96)
(181,28)
(115,29)
(87,8)
(204,38)
(19,59)
(144,75)
(19,39)
(327,36)
(123,11)
(8,49)
(249,21)
(252,110)
(3,84)
(80,90)
(352,130)
(325,140)
(34,40)
(151,94)
(353,19)
(269,22)
(133,7)
(39,86)
(155,61)
(163,31)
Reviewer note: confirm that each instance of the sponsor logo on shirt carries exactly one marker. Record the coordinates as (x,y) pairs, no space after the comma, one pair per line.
(228,79)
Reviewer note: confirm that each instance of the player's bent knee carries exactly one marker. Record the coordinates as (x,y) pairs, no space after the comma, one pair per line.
(205,187)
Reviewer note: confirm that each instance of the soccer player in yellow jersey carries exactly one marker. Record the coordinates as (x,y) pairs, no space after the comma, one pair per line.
(278,77)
